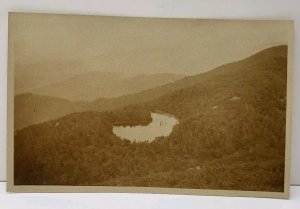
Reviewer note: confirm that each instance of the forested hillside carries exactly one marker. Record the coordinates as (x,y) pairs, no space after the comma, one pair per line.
(231,134)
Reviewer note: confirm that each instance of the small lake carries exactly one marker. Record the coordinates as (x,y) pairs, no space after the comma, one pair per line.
(161,125)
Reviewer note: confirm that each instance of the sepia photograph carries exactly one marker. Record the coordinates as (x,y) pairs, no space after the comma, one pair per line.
(149,105)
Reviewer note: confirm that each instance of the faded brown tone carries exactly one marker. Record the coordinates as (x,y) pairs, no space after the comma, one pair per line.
(65,45)
(231,133)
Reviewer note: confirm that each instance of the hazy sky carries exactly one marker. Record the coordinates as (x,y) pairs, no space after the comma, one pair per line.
(185,46)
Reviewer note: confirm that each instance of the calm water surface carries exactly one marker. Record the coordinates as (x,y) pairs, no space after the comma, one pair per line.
(161,125)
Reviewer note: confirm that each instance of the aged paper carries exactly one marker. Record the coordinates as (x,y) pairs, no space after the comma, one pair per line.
(150,105)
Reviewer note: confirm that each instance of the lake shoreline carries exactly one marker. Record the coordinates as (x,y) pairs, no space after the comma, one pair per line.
(161,126)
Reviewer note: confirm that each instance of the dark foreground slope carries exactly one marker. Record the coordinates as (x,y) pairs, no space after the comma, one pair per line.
(231,135)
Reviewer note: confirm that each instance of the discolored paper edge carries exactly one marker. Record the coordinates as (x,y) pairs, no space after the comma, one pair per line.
(114,189)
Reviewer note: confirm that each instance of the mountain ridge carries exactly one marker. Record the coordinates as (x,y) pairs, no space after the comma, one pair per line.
(96,84)
(231,135)
(107,104)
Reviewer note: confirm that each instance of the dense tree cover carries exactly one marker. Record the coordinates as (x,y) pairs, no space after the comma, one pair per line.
(231,135)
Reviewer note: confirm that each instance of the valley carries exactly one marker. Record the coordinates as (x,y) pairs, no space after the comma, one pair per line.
(230,133)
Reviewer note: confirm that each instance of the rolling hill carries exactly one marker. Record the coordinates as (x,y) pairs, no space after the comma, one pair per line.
(30,76)
(93,85)
(231,134)
(33,108)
